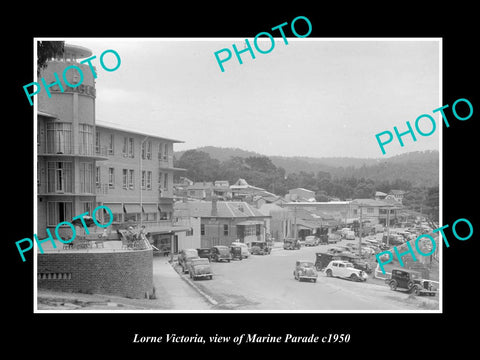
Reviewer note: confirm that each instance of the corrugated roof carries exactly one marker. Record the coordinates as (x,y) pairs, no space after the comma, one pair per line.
(225,209)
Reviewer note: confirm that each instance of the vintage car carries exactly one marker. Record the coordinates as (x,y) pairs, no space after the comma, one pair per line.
(185,256)
(220,253)
(323,259)
(236,252)
(305,270)
(311,240)
(410,281)
(205,253)
(333,238)
(200,268)
(291,244)
(345,269)
(244,247)
(260,248)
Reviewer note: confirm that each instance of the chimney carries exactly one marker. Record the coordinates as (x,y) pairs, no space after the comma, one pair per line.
(214,206)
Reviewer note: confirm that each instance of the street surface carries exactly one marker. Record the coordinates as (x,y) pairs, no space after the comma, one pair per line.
(267,283)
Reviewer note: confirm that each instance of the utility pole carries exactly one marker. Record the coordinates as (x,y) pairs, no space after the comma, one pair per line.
(388,226)
(360,233)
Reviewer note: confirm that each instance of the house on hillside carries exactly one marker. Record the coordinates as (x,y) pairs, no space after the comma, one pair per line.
(242,190)
(396,195)
(300,194)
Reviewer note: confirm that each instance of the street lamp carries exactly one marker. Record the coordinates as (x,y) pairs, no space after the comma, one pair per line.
(141,177)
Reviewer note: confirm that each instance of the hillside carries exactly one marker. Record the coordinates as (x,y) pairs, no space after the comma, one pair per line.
(420,168)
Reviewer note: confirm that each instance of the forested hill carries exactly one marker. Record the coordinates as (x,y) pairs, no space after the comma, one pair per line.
(420,168)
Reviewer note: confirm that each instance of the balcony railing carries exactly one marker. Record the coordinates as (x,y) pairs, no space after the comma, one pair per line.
(66,149)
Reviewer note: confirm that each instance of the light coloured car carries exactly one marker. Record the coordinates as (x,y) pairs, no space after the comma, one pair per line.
(311,240)
(345,269)
(245,251)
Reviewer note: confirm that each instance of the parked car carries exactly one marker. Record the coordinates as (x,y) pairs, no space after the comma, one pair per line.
(220,253)
(305,270)
(204,253)
(260,248)
(349,235)
(244,247)
(333,238)
(311,240)
(236,252)
(185,256)
(338,249)
(200,268)
(291,244)
(345,269)
(410,281)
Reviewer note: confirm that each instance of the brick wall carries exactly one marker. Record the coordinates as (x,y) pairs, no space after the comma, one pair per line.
(123,273)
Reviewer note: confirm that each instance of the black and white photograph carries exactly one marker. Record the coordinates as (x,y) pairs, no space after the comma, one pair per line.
(261,187)
(208,183)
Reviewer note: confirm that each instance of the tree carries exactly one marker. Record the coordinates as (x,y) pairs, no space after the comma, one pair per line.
(47,50)
(200,166)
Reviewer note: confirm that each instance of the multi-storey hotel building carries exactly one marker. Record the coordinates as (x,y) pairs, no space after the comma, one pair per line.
(82,163)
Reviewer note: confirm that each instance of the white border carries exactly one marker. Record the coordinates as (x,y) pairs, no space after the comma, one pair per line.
(73,39)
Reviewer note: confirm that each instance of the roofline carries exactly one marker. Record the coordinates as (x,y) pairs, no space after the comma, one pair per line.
(99,123)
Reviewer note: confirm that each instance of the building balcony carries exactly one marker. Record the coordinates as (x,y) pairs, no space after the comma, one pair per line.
(64,150)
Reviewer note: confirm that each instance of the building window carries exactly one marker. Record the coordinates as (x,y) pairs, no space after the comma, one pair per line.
(85,140)
(111,178)
(125,147)
(59,138)
(165,153)
(110,144)
(202,229)
(87,206)
(125,178)
(369,210)
(86,178)
(160,151)
(165,181)
(144,179)
(149,180)
(131,148)
(130,179)
(58,212)
(165,215)
(225,229)
(97,176)
(97,142)
(59,176)
(150,216)
(147,150)
(128,149)
(355,211)
(190,232)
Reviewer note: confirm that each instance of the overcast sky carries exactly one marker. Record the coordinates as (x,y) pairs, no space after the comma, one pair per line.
(312,97)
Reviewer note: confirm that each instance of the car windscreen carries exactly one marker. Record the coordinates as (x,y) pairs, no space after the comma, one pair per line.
(191,253)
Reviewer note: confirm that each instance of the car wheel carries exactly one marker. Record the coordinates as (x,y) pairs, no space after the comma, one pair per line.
(416,290)
(393,285)
(314,280)
(354,277)
(210,277)
(329,272)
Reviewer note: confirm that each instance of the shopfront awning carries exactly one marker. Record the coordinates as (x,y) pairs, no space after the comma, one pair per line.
(166,207)
(132,208)
(116,208)
(150,208)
